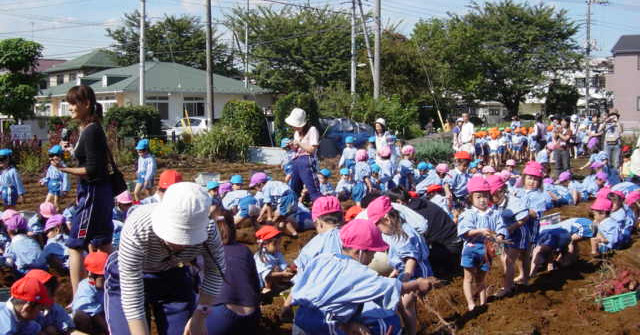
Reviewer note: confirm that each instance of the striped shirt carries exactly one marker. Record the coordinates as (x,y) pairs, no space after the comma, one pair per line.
(141,250)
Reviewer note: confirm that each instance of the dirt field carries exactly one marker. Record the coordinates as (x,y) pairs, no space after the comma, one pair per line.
(557,302)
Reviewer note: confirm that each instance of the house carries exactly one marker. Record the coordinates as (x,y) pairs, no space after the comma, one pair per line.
(69,71)
(44,65)
(173,89)
(624,80)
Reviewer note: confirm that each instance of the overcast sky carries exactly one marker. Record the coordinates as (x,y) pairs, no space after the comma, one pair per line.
(69,28)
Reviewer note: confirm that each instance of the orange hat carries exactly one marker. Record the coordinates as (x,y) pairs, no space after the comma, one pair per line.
(31,290)
(530,130)
(41,275)
(168,178)
(494,136)
(462,155)
(549,127)
(524,131)
(266,233)
(434,188)
(508,130)
(95,261)
(352,212)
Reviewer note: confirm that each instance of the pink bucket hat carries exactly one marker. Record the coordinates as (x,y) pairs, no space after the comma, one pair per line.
(619,193)
(54,221)
(603,192)
(602,176)
(47,210)
(8,214)
(15,222)
(442,168)
(378,208)
(224,188)
(596,165)
(361,155)
(360,234)
(496,183)
(510,162)
(258,178)
(478,184)
(564,176)
(533,169)
(385,152)
(124,198)
(325,205)
(601,204)
(408,150)
(505,174)
(488,169)
(632,197)
(547,181)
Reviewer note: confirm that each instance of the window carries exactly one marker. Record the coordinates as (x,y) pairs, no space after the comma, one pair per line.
(580,82)
(107,102)
(638,104)
(64,109)
(194,106)
(161,104)
(43,84)
(72,77)
(42,109)
(638,62)
(60,79)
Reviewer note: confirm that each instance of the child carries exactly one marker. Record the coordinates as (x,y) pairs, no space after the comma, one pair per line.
(88,302)
(55,252)
(345,185)
(494,152)
(563,193)
(23,253)
(348,158)
(371,149)
(633,202)
(476,224)
(146,171)
(230,199)
(54,319)
(123,204)
(608,237)
(435,177)
(248,212)
(18,315)
(325,186)
(272,268)
(557,243)
(167,178)
(337,290)
(514,217)
(592,184)
(57,182)
(287,159)
(375,178)
(387,169)
(11,188)
(421,172)
(405,168)
(435,194)
(623,216)
(517,143)
(279,200)
(361,177)
(36,223)
(212,189)
(455,183)
(544,155)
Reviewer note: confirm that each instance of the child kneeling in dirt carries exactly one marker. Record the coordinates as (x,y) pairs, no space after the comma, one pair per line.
(273,271)
(609,233)
(476,224)
(280,203)
(332,289)
(88,303)
(54,319)
(18,315)
(557,244)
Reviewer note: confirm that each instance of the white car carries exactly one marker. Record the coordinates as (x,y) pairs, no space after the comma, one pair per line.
(194,124)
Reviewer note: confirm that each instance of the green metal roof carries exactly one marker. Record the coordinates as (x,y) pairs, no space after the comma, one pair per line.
(159,77)
(95,59)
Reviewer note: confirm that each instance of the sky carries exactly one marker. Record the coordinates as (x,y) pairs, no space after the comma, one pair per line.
(70,28)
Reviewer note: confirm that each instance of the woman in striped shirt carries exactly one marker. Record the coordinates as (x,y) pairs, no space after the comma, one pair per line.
(151,267)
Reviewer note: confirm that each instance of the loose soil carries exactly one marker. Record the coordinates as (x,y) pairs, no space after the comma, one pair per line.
(557,302)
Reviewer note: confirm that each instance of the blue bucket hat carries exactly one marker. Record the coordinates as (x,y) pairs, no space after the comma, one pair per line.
(236,179)
(284,142)
(212,184)
(5,152)
(423,166)
(372,139)
(56,150)
(349,140)
(375,168)
(326,173)
(473,165)
(142,145)
(344,172)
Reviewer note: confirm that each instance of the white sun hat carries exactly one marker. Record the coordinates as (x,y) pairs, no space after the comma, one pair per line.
(297,118)
(381,121)
(182,217)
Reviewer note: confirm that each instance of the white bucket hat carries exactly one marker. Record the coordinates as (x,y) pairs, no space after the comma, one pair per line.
(381,121)
(297,118)
(182,217)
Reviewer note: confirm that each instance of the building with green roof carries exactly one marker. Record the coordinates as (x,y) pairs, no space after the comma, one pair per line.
(96,60)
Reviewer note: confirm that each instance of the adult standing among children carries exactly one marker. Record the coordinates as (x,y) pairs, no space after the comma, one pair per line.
(540,132)
(466,137)
(612,138)
(456,134)
(150,268)
(306,139)
(561,137)
(380,130)
(91,223)
(594,132)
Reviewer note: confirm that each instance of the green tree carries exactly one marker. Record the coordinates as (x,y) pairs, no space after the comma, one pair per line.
(562,99)
(295,49)
(133,121)
(179,39)
(248,115)
(283,107)
(19,85)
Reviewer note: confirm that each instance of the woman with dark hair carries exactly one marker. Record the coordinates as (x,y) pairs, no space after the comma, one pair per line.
(380,130)
(561,137)
(305,143)
(91,224)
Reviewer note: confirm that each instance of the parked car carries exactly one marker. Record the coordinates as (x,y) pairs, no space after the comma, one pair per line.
(197,125)
(337,130)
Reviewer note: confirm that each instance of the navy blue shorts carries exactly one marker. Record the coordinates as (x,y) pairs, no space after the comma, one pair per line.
(92,222)
(474,256)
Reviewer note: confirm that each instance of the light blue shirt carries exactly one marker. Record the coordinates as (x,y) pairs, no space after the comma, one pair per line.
(24,253)
(625,221)
(267,263)
(571,226)
(387,171)
(589,185)
(231,199)
(55,178)
(625,187)
(344,186)
(326,242)
(57,317)
(56,247)
(347,153)
(11,325)
(361,171)
(11,178)
(457,181)
(327,189)
(432,178)
(273,190)
(146,168)
(472,219)
(610,229)
(88,299)
(412,246)
(542,156)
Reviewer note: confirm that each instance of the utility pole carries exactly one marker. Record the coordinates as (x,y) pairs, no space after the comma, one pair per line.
(587,79)
(376,61)
(209,104)
(365,32)
(246,49)
(353,49)
(142,19)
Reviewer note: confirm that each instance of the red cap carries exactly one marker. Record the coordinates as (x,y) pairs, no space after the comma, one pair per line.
(31,290)
(352,212)
(413,194)
(267,232)
(168,178)
(462,155)
(41,275)
(434,188)
(95,261)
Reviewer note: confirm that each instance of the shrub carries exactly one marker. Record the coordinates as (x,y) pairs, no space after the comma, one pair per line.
(284,106)
(31,161)
(399,117)
(160,148)
(248,115)
(133,121)
(434,151)
(223,142)
(333,101)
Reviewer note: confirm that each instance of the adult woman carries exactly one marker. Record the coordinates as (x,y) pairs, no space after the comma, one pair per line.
(150,267)
(456,133)
(305,142)
(594,132)
(380,130)
(91,224)
(612,133)
(561,136)
(237,307)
